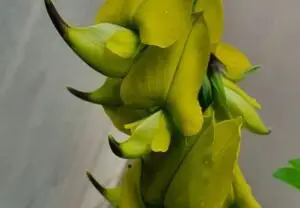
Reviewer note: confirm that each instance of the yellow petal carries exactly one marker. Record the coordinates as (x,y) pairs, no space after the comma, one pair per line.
(182,101)
(131,195)
(118,12)
(214,18)
(235,62)
(161,23)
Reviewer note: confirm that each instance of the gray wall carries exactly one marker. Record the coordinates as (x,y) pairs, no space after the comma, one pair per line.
(48,137)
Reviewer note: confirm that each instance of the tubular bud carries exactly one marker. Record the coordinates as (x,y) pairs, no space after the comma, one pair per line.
(107,48)
(107,95)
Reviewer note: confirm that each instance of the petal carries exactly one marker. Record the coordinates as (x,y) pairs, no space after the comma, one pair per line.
(188,80)
(243,193)
(235,62)
(157,176)
(213,172)
(152,134)
(231,85)
(89,43)
(161,23)
(148,81)
(123,115)
(240,107)
(214,18)
(119,12)
(131,196)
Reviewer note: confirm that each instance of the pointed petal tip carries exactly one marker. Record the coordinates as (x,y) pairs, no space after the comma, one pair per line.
(56,19)
(115,146)
(95,183)
(79,94)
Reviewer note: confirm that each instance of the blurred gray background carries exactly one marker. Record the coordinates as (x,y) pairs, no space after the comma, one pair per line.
(48,137)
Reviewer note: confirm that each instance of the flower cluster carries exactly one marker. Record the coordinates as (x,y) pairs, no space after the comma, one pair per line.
(172,88)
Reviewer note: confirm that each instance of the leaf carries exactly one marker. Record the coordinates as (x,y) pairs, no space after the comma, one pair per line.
(290,176)
(235,62)
(208,165)
(295,163)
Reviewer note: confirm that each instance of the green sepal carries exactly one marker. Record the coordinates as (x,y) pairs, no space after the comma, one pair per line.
(112,195)
(108,94)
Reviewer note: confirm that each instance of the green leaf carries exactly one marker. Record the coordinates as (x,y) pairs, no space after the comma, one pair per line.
(295,163)
(205,176)
(290,176)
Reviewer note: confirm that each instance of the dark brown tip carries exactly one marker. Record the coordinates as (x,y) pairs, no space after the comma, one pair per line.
(56,19)
(115,146)
(79,94)
(96,184)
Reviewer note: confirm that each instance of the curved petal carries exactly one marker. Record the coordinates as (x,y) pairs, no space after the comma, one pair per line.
(231,85)
(240,107)
(235,62)
(161,23)
(90,44)
(152,134)
(214,18)
(182,100)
